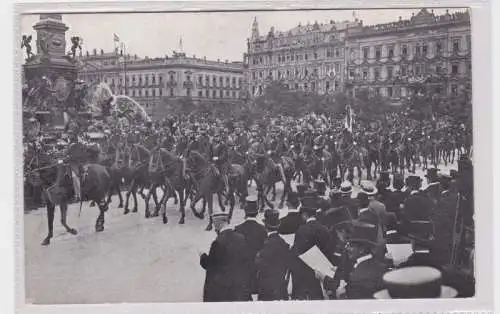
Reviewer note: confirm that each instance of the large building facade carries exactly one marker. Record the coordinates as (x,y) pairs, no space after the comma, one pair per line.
(154,82)
(384,59)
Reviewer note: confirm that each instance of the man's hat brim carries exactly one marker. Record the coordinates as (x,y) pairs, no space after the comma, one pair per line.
(446,293)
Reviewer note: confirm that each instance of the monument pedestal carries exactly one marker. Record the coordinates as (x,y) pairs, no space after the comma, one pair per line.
(52,68)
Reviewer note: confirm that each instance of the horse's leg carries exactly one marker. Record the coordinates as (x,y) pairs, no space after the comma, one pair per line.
(163,205)
(99,224)
(232,201)
(351,174)
(64,216)
(147,214)
(182,204)
(119,192)
(193,204)
(221,203)
(129,191)
(50,220)
(155,199)
(210,201)
(134,195)
(267,201)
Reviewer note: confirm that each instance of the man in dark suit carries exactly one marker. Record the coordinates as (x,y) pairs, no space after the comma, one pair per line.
(444,217)
(347,200)
(417,208)
(254,232)
(227,265)
(367,270)
(433,188)
(273,262)
(312,233)
(290,223)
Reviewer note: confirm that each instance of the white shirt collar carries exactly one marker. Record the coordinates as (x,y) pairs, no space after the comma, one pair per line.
(414,192)
(433,183)
(310,219)
(443,192)
(421,251)
(272,232)
(225,228)
(252,219)
(362,210)
(362,259)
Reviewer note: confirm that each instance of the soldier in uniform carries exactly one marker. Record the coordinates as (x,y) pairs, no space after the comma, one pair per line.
(254,232)
(220,156)
(273,262)
(227,264)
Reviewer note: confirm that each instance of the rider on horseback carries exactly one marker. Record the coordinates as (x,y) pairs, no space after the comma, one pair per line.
(220,157)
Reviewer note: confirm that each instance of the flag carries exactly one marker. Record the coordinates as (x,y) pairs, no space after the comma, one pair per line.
(116,38)
(348,118)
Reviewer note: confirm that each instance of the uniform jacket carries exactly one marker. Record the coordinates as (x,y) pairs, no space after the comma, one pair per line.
(273,264)
(227,264)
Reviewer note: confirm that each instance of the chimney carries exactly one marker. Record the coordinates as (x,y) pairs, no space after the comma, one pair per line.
(87,53)
(95,51)
(102,52)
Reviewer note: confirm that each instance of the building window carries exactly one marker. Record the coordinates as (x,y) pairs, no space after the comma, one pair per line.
(279,75)
(403,70)
(234,81)
(454,89)
(376,73)
(140,80)
(404,50)
(306,72)
(171,77)
(390,51)
(315,71)
(378,53)
(365,75)
(261,74)
(418,69)
(328,53)
(456,45)
(154,79)
(133,78)
(188,92)
(438,69)
(221,81)
(351,74)
(154,92)
(389,72)
(161,91)
(214,81)
(390,92)
(221,94)
(454,69)
(315,55)
(337,52)
(200,79)
(366,52)
(306,86)
(171,92)
(146,80)
(417,50)
(424,49)
(227,93)
(207,80)
(439,47)
(337,68)
(234,94)
(160,78)
(306,56)
(240,81)
(214,94)
(227,81)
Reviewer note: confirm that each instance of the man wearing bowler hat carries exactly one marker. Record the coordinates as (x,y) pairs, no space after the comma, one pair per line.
(253,231)
(433,189)
(227,264)
(273,262)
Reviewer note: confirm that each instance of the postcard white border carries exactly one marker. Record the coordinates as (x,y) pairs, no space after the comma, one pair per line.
(482,105)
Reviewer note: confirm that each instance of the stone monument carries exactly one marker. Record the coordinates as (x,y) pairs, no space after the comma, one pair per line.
(50,74)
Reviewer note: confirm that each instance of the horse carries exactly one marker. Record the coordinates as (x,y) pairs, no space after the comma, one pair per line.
(208,181)
(172,170)
(373,159)
(354,156)
(267,173)
(57,189)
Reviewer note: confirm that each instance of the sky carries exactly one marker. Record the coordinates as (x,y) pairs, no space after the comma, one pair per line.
(212,34)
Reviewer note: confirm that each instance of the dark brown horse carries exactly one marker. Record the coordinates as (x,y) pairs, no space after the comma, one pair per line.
(208,181)
(56,184)
(171,170)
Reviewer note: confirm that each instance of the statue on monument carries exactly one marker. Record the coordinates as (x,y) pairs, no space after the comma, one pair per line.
(76,43)
(26,43)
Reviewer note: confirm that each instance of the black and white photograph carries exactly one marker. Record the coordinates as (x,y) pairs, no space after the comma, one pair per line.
(247,156)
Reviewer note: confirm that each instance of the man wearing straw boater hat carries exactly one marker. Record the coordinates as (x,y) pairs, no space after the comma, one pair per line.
(273,262)
(417,282)
(227,265)
(254,233)
(347,200)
